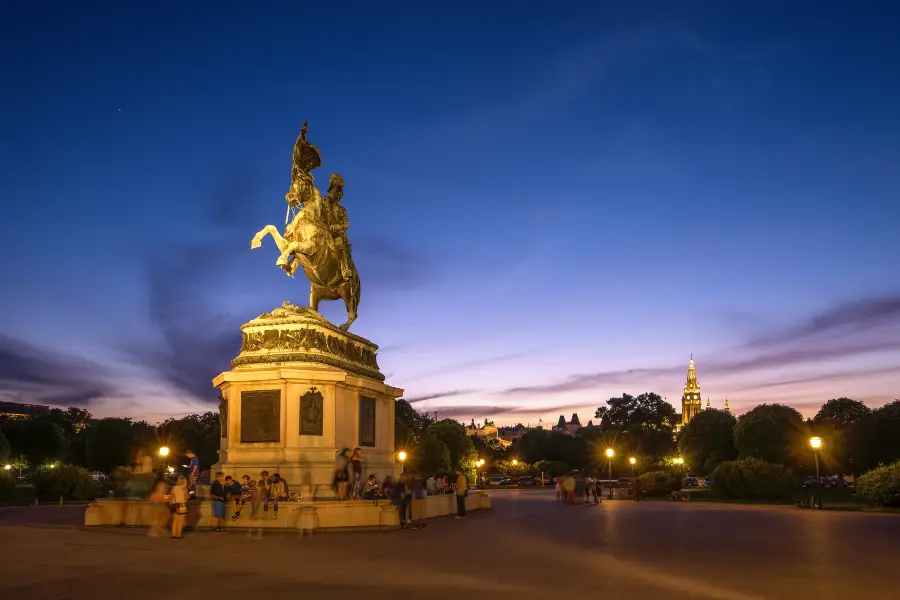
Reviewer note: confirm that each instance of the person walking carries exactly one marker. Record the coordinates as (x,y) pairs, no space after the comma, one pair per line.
(462,490)
(160,509)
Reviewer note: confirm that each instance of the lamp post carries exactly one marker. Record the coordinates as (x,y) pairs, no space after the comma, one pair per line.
(816,443)
(163,453)
(609,455)
(632,460)
(479,463)
(402,457)
(679,461)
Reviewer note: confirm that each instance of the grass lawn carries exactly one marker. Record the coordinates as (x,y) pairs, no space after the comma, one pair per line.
(832,499)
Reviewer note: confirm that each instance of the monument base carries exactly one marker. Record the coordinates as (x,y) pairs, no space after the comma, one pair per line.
(300,391)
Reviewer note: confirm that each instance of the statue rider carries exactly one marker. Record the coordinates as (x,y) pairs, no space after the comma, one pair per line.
(338,223)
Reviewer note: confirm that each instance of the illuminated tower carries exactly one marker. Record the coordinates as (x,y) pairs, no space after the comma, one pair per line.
(690,400)
(728,410)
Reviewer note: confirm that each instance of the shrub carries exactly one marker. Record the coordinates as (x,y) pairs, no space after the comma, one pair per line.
(881,485)
(753,479)
(657,483)
(66,481)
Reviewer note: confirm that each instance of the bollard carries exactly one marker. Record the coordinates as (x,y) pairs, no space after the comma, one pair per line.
(35,501)
(60,500)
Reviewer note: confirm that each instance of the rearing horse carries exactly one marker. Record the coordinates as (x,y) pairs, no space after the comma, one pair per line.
(307,243)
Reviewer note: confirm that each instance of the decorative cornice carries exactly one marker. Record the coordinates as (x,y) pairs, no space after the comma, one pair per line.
(289,357)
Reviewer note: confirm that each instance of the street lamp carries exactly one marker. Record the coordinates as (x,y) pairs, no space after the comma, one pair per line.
(479,463)
(515,462)
(402,456)
(7,467)
(609,455)
(816,443)
(632,460)
(164,451)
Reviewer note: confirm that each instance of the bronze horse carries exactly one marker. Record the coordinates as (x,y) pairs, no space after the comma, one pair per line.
(307,243)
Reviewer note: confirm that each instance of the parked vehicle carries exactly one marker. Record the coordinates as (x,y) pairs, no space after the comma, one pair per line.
(97,476)
(528,481)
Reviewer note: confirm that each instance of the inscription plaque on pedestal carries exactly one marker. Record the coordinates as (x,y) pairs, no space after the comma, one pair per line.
(311,413)
(261,416)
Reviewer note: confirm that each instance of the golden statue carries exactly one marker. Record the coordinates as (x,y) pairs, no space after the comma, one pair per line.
(316,237)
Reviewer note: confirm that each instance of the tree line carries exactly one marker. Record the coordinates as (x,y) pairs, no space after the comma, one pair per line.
(855,439)
(73,436)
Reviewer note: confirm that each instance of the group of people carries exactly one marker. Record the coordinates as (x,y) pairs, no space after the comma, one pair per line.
(576,488)
(268,490)
(265,491)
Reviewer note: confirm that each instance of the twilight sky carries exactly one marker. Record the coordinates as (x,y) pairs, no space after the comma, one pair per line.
(550,204)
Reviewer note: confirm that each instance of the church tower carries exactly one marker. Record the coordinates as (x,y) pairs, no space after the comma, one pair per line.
(690,400)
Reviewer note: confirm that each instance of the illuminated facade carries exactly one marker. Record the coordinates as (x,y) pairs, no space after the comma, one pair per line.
(13,410)
(691,403)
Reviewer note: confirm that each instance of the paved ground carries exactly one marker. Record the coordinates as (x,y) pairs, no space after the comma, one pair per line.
(527,547)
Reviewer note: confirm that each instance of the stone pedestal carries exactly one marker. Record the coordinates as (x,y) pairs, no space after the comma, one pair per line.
(299,391)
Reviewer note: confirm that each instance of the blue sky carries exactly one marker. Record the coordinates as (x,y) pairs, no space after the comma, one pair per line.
(549,205)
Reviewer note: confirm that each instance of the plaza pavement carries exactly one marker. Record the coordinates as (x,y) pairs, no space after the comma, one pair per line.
(527,547)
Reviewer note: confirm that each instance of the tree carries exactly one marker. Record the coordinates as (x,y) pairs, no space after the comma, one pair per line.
(641,425)
(539,445)
(708,439)
(845,425)
(199,433)
(433,456)
(459,445)
(841,412)
(109,443)
(39,440)
(772,432)
(4,448)
(20,464)
(885,434)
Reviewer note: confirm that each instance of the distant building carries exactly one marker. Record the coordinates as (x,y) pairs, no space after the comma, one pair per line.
(13,410)
(690,399)
(486,432)
(569,428)
(511,434)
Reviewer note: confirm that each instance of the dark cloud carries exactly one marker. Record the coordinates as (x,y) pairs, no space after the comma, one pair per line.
(33,374)
(850,317)
(470,364)
(592,380)
(784,357)
(841,375)
(476,411)
(437,395)
(186,281)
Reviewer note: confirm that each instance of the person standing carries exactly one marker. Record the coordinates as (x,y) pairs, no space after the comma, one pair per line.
(263,487)
(193,472)
(356,461)
(178,499)
(404,500)
(341,475)
(276,492)
(462,490)
(217,493)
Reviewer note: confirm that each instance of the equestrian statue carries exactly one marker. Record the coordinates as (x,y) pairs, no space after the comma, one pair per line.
(315,234)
